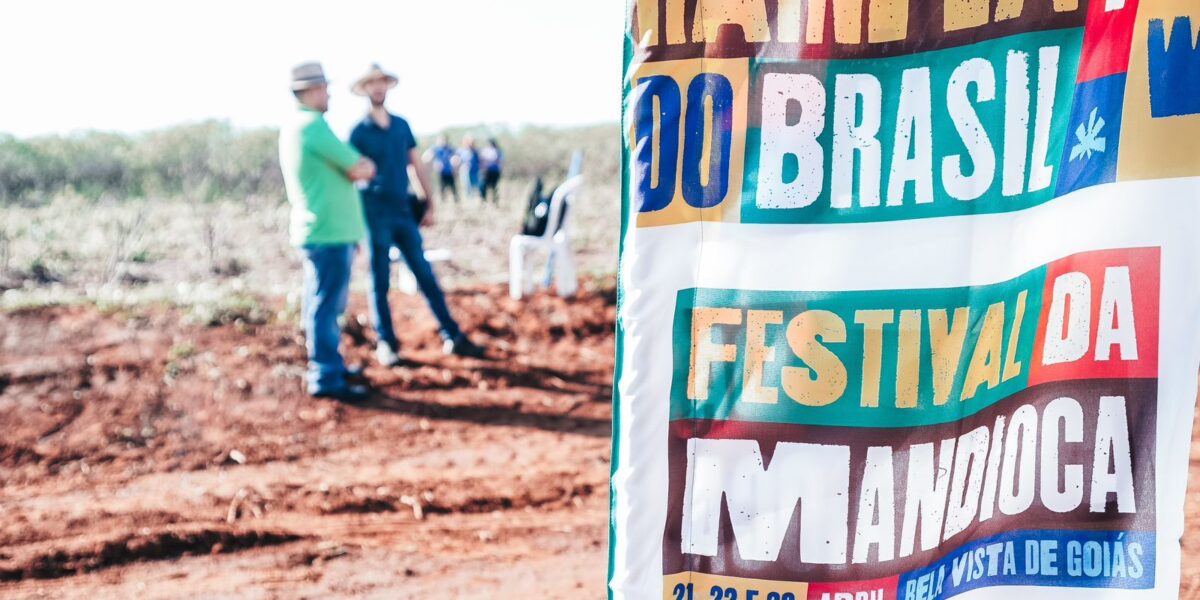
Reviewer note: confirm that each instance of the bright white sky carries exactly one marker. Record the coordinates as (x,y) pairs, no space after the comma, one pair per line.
(133,65)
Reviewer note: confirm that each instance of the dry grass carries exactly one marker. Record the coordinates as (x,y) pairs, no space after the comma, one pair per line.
(121,252)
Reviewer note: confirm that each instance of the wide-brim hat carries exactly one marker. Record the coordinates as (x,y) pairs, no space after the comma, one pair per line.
(308,75)
(375,72)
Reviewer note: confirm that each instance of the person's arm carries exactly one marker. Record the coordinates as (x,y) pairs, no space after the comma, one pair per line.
(322,142)
(363,170)
(417,168)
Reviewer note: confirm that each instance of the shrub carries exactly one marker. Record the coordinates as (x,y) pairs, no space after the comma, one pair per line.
(211,160)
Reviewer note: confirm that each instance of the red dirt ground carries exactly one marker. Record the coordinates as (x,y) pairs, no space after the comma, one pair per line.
(145,458)
(142,457)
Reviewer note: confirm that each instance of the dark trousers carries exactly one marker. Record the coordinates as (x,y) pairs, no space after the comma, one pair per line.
(326,287)
(385,230)
(491,179)
(448,184)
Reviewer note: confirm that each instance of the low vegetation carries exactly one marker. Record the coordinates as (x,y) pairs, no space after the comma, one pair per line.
(197,214)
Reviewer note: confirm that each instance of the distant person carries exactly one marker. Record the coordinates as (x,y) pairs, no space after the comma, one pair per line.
(491,161)
(444,158)
(468,159)
(326,225)
(388,140)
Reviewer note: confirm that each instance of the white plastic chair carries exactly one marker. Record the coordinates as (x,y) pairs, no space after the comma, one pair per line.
(556,241)
(406,282)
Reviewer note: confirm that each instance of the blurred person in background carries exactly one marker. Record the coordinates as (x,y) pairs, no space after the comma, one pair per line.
(326,225)
(468,160)
(444,159)
(491,161)
(388,140)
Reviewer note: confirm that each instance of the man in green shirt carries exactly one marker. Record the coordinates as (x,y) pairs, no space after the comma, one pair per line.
(319,172)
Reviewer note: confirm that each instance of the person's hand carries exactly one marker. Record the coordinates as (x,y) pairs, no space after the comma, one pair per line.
(363,170)
(427,220)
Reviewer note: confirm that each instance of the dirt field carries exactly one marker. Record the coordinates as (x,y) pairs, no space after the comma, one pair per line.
(146,458)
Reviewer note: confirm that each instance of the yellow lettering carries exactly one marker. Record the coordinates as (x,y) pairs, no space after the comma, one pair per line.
(872,365)
(675,30)
(946,345)
(758,353)
(964,14)
(1012,366)
(908,360)
(647,22)
(888,21)
(827,382)
(750,15)
(985,360)
(804,20)
(790,15)
(1008,9)
(847,21)
(704,351)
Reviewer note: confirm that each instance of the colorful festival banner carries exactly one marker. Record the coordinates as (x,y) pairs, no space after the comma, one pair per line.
(909,299)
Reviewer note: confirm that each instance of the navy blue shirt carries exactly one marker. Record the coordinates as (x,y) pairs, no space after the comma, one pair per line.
(389,149)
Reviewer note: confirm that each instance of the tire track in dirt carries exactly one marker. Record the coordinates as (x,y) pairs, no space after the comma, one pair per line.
(50,561)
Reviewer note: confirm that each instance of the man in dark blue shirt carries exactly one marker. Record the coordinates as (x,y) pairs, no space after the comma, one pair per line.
(388,140)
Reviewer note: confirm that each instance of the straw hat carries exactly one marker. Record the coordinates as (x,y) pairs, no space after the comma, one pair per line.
(308,75)
(375,72)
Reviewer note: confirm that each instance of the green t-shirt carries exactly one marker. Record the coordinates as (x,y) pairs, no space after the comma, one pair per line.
(326,208)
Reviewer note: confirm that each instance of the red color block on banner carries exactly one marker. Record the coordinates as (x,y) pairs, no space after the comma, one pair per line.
(875,589)
(1099,340)
(1107,38)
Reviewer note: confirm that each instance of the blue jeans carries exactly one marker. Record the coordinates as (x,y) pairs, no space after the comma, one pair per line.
(326,288)
(396,228)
